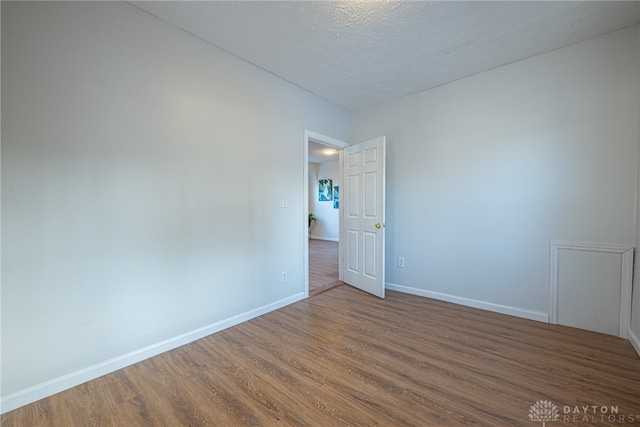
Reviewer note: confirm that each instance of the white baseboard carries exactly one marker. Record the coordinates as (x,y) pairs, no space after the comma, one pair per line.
(503,309)
(40,391)
(330,239)
(634,340)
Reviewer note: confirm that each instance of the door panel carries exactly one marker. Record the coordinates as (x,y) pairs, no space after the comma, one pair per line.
(352,202)
(364,197)
(370,254)
(370,190)
(353,251)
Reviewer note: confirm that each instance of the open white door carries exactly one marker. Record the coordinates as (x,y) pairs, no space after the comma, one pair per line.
(363,201)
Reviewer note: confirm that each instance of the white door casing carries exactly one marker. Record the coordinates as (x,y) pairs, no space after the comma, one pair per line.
(363,203)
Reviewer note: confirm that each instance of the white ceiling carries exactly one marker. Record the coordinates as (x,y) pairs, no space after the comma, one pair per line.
(360,53)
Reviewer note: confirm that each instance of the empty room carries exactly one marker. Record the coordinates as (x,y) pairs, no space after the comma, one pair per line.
(178,250)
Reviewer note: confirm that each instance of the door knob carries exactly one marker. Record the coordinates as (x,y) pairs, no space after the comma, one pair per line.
(379,226)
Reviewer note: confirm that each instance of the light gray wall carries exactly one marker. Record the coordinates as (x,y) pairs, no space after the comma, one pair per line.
(483,172)
(139,197)
(635,304)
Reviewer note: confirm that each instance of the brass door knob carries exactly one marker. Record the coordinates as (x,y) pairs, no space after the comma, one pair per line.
(379,226)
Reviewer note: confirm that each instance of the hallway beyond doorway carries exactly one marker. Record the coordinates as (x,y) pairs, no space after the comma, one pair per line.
(323,266)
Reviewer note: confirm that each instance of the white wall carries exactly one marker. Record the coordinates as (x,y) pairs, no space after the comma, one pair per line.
(139,197)
(635,304)
(328,226)
(484,172)
(314,168)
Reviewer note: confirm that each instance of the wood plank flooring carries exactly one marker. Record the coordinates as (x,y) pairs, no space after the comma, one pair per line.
(323,266)
(345,358)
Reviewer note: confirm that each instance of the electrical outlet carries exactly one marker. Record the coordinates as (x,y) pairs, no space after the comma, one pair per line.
(285,202)
(400,262)
(284,277)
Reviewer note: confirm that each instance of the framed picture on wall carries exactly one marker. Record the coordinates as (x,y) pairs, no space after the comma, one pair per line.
(325,187)
(336,197)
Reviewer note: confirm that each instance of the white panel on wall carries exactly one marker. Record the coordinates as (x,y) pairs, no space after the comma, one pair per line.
(589,291)
(590,286)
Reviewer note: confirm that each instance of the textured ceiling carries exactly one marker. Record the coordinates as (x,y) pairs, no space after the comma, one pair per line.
(361,53)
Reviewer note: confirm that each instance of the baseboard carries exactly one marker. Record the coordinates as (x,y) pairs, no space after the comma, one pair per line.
(497,308)
(330,239)
(40,391)
(634,340)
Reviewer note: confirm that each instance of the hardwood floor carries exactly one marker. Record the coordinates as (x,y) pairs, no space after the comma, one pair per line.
(345,358)
(323,266)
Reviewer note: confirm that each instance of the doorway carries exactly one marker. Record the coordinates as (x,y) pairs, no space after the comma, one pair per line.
(323,266)
(323,179)
(361,212)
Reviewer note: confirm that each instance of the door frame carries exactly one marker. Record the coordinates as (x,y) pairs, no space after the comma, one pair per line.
(338,145)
